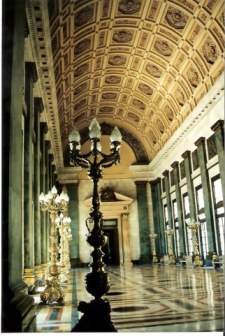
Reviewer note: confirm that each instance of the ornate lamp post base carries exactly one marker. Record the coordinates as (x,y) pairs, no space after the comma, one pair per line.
(52,292)
(96,317)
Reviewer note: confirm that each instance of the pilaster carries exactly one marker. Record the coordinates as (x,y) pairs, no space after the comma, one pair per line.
(143,221)
(200,143)
(126,239)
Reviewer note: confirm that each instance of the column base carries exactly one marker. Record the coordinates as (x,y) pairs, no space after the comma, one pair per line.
(30,279)
(18,310)
(38,269)
(76,262)
(96,317)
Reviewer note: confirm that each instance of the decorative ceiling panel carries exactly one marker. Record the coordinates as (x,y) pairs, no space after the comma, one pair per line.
(142,65)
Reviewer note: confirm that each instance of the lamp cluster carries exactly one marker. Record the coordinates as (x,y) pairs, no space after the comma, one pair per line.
(53,203)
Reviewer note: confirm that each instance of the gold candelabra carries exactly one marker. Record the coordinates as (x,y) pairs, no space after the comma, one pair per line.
(153,237)
(63,225)
(53,203)
(169,233)
(193,225)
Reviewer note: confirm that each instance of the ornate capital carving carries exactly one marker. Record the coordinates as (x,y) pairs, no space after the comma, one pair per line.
(200,141)
(32,70)
(219,125)
(165,173)
(175,164)
(186,154)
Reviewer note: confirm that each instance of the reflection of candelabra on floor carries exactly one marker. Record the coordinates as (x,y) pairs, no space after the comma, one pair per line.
(53,203)
(63,225)
(169,234)
(153,237)
(193,225)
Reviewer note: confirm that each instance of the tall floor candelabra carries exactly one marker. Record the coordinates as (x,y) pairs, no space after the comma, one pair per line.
(169,233)
(193,225)
(63,225)
(153,237)
(53,203)
(96,315)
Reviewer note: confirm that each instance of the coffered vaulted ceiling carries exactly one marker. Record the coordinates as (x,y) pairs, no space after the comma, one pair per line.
(140,65)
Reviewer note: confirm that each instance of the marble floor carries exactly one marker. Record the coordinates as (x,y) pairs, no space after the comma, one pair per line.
(150,298)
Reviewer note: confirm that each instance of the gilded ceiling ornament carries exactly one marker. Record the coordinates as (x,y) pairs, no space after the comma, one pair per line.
(176,18)
(80,89)
(80,104)
(180,97)
(82,46)
(153,70)
(169,113)
(163,47)
(83,16)
(133,117)
(129,6)
(152,137)
(145,88)
(109,95)
(160,126)
(193,77)
(81,69)
(117,60)
(210,51)
(113,80)
(138,103)
(106,109)
(122,36)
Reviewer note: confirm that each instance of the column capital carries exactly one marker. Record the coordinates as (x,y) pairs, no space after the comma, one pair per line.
(32,70)
(141,182)
(38,104)
(26,29)
(219,125)
(186,154)
(175,164)
(44,127)
(200,141)
(165,173)
(158,180)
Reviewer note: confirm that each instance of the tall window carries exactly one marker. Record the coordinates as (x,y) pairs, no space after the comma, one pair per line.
(219,213)
(203,239)
(188,233)
(176,228)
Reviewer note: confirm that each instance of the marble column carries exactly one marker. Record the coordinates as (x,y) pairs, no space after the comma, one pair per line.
(181,221)
(143,221)
(15,303)
(190,189)
(48,187)
(150,218)
(126,239)
(38,108)
(29,274)
(75,230)
(200,143)
(158,217)
(218,128)
(168,198)
(43,215)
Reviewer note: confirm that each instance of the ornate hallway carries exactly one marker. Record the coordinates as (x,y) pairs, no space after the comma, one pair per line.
(150,298)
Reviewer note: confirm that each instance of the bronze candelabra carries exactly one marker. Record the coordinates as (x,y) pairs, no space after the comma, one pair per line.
(53,203)
(96,315)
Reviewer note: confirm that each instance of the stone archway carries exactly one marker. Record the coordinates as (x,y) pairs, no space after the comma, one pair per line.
(115,206)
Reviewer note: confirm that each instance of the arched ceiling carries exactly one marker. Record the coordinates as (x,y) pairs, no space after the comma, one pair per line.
(142,65)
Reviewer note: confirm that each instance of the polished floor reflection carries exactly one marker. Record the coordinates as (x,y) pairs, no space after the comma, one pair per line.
(150,298)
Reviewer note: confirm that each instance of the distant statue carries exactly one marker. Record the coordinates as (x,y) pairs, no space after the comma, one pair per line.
(107,195)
